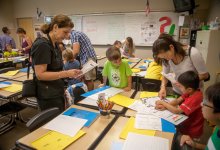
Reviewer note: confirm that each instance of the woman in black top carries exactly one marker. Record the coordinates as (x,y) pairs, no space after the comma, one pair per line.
(48,64)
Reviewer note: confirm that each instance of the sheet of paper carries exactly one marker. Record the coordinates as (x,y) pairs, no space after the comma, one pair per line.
(117,145)
(171,117)
(11,73)
(181,20)
(148,94)
(88,66)
(151,101)
(122,100)
(13,88)
(137,105)
(89,101)
(149,122)
(55,141)
(67,125)
(141,74)
(4,84)
(144,142)
(108,93)
(129,127)
(170,76)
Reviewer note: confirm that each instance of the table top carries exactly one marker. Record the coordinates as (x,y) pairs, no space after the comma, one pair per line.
(114,132)
(23,78)
(84,142)
(19,74)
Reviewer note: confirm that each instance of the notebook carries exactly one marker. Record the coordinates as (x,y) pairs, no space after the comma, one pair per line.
(83,114)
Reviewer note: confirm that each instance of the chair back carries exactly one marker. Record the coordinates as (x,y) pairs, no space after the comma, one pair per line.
(42,118)
(151,85)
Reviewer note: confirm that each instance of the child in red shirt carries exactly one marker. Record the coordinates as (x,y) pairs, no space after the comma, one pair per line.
(188,104)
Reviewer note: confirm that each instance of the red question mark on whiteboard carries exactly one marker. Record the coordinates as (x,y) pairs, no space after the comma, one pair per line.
(167,23)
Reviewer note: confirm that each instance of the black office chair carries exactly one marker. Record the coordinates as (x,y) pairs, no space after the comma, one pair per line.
(151,85)
(42,118)
(4,70)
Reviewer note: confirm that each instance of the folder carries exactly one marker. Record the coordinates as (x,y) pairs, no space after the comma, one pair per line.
(148,94)
(11,73)
(55,141)
(83,114)
(122,100)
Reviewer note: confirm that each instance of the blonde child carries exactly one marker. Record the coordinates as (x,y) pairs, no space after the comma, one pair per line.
(116,70)
(128,47)
(75,86)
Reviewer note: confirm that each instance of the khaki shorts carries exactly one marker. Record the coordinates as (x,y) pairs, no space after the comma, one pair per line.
(91,75)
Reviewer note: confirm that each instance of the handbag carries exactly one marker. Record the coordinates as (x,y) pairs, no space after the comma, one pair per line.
(29,88)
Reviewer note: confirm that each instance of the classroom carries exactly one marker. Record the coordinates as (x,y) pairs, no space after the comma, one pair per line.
(109,75)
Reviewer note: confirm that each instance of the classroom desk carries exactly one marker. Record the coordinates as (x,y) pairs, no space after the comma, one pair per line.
(19,74)
(5,64)
(1,79)
(114,132)
(116,108)
(131,112)
(23,78)
(92,133)
(10,95)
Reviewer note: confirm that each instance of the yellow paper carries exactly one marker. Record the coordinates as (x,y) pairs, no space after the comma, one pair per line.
(129,127)
(121,100)
(13,88)
(11,73)
(148,94)
(135,70)
(55,140)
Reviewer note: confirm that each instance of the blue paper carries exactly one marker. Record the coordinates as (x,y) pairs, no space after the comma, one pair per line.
(167,126)
(83,114)
(4,82)
(23,70)
(147,61)
(142,67)
(95,91)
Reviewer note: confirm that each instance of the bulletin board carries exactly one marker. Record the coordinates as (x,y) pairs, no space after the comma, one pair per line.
(104,29)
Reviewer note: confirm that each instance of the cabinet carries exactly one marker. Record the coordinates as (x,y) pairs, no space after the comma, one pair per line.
(208,43)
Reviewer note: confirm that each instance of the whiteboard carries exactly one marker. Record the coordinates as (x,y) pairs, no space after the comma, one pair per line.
(104,29)
(77,20)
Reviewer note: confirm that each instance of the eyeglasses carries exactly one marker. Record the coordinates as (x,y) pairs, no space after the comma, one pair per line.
(204,104)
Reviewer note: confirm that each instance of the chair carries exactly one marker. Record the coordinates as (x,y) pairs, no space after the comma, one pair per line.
(42,118)
(151,85)
(4,70)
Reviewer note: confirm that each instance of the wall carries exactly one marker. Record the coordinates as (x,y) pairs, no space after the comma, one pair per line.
(215,10)
(27,8)
(7,17)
